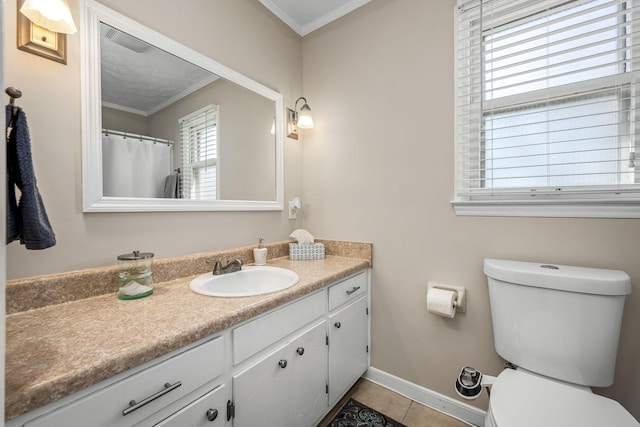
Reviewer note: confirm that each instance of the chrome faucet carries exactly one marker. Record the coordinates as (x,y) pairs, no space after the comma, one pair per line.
(232,266)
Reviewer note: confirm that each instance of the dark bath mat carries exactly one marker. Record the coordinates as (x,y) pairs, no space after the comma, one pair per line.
(355,414)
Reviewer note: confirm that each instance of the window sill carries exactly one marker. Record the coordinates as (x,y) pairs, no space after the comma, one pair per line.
(550,208)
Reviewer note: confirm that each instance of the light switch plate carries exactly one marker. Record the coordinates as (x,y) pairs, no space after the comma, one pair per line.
(293,212)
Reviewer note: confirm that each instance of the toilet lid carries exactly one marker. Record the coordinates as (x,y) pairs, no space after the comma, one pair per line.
(521,399)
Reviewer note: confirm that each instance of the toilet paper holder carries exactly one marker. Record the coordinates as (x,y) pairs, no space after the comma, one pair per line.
(461,294)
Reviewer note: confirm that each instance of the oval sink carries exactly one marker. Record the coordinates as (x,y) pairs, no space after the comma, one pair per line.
(251,280)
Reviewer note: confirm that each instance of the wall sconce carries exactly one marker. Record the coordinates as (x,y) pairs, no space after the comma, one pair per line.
(43,26)
(295,120)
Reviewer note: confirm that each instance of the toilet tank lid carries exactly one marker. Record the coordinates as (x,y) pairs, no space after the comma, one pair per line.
(561,277)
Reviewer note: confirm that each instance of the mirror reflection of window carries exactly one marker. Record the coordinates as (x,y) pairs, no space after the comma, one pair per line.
(199,138)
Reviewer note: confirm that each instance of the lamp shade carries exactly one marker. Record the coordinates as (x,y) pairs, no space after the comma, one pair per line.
(53,15)
(305,121)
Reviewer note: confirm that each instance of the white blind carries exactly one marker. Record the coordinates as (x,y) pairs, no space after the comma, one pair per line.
(547,97)
(199,154)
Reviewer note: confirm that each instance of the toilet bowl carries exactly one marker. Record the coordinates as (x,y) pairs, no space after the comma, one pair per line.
(560,326)
(521,399)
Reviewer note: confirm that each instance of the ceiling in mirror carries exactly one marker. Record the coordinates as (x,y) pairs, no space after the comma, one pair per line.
(127,83)
(167,128)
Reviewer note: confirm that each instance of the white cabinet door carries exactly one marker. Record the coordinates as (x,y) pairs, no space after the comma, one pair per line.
(260,392)
(347,347)
(209,410)
(285,388)
(308,400)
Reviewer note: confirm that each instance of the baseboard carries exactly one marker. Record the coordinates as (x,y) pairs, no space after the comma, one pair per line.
(430,398)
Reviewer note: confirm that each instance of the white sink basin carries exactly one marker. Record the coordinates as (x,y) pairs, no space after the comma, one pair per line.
(251,280)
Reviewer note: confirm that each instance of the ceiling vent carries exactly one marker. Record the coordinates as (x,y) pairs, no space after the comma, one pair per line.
(125,40)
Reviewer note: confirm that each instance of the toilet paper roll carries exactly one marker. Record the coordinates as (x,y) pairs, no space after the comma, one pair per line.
(441,302)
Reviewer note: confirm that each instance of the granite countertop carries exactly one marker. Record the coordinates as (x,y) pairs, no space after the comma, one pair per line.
(54,351)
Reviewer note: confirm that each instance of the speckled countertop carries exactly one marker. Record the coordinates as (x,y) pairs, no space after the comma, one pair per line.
(54,351)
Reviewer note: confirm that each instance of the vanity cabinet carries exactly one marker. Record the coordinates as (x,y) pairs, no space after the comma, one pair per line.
(286,367)
(298,382)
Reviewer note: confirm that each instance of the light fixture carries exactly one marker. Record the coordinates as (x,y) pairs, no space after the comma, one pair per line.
(295,120)
(43,26)
(54,15)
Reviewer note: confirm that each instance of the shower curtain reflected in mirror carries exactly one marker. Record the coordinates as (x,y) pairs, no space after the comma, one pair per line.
(133,167)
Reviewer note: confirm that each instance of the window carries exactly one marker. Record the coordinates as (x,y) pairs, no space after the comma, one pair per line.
(546,115)
(200,154)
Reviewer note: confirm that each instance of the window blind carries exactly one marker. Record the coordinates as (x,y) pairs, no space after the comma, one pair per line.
(547,99)
(200,154)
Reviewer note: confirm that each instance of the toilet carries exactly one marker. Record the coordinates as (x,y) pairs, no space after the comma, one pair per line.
(558,327)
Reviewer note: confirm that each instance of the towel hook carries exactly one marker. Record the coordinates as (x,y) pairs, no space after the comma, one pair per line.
(13,94)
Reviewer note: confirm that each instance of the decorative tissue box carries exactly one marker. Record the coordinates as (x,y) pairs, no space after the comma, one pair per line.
(303,252)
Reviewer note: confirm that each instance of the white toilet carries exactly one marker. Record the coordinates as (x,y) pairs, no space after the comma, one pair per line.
(559,326)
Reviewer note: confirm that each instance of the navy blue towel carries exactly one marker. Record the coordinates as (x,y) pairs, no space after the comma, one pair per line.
(26,220)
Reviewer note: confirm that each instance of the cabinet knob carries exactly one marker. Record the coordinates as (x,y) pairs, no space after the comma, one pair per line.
(212,414)
(300,350)
(282,363)
(337,325)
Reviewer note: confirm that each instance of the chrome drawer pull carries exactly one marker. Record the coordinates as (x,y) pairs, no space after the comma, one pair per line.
(133,405)
(355,288)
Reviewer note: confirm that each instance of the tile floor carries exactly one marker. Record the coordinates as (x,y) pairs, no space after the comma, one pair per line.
(394,405)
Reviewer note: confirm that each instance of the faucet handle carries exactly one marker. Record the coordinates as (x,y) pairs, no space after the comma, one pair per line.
(217,268)
(239,258)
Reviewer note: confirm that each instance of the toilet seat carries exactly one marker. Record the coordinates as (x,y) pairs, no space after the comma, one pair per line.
(519,399)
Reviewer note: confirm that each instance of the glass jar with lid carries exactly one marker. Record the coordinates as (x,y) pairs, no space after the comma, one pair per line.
(135,273)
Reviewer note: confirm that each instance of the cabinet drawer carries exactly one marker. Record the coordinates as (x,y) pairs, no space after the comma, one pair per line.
(209,410)
(258,334)
(152,389)
(347,290)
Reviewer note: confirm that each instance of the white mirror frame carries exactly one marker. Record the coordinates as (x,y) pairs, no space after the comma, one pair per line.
(92,185)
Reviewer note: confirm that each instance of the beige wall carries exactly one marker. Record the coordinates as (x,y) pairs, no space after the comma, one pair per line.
(123,121)
(379,167)
(241,34)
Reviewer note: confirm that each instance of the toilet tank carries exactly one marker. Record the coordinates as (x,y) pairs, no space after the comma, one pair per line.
(556,320)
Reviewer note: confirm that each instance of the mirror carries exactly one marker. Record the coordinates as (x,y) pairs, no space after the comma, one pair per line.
(166,128)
